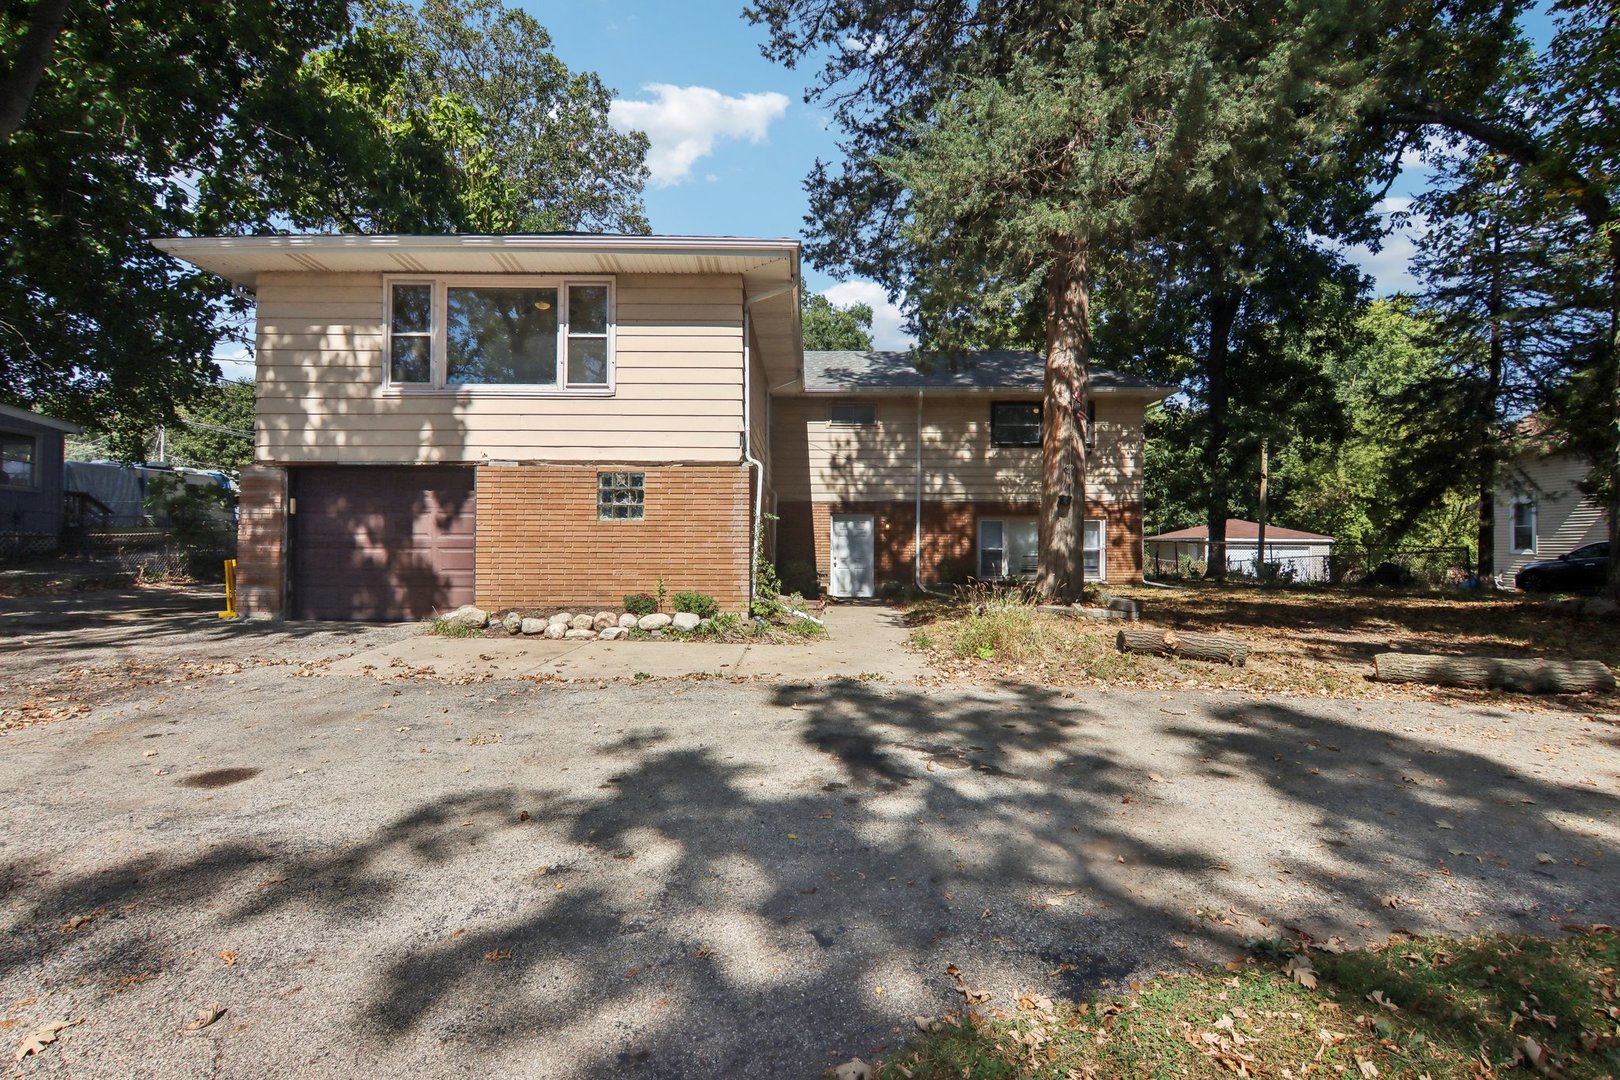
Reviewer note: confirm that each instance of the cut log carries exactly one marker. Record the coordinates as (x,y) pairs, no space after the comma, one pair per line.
(1216,648)
(1497,673)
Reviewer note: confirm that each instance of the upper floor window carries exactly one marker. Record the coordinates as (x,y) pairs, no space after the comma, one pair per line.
(1015,423)
(852,415)
(486,331)
(17,460)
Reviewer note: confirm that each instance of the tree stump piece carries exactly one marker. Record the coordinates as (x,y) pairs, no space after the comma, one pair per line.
(1216,648)
(1496,673)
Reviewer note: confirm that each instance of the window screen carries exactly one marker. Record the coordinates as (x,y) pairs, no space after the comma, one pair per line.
(1524,526)
(1015,423)
(16,460)
(852,415)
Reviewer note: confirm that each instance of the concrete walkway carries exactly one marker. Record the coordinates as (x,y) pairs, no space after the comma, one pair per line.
(861,641)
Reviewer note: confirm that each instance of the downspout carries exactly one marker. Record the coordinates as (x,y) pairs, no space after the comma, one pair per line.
(747,442)
(916,542)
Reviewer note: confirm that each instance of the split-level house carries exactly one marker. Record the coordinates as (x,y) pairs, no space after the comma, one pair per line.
(560,420)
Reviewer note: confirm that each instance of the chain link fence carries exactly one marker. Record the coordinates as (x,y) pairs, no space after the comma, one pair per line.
(143,555)
(1347,564)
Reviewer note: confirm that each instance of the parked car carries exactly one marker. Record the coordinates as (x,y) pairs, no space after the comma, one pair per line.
(1584,568)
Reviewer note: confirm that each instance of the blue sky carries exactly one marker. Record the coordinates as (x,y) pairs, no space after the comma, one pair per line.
(732,139)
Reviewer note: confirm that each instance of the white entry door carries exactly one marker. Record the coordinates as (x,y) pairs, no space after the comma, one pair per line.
(852,573)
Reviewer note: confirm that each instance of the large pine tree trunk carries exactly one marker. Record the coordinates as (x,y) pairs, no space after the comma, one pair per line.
(1222,313)
(1063,451)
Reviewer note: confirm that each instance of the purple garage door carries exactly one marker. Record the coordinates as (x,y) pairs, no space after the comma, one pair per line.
(382,543)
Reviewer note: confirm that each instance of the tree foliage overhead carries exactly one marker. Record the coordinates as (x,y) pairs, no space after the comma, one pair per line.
(828,326)
(148,118)
(534,133)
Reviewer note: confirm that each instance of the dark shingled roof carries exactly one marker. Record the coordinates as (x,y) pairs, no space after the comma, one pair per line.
(995,369)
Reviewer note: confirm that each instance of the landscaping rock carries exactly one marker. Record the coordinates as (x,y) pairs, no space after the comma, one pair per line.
(579,635)
(467,615)
(555,630)
(533,626)
(611,633)
(626,621)
(582,622)
(656,621)
(604,619)
(685,621)
(513,622)
(562,617)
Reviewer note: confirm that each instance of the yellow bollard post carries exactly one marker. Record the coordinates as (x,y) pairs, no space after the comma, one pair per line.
(230,611)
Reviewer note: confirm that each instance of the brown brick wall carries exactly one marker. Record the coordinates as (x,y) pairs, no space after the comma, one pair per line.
(539,543)
(950,536)
(261,540)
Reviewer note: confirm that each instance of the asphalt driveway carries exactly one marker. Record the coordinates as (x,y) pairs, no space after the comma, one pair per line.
(390,873)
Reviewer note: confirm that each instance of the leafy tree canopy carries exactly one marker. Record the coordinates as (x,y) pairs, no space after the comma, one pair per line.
(827,326)
(150,118)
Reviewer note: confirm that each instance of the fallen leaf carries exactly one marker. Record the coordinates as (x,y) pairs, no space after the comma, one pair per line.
(970,996)
(205,1016)
(1543,858)
(229,956)
(1155,777)
(1368,1069)
(853,1069)
(1299,966)
(495,956)
(1444,825)
(42,1037)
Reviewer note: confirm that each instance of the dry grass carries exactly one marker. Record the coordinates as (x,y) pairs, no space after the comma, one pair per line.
(1301,640)
(1419,1009)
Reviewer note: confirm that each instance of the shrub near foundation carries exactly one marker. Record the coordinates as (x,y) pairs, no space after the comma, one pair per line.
(641,603)
(702,605)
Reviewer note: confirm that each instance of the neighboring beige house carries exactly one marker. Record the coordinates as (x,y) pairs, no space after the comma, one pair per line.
(559,420)
(1541,512)
(886,473)
(1299,555)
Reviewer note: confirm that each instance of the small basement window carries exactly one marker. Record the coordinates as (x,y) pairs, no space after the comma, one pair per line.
(17,461)
(852,415)
(621,496)
(1015,423)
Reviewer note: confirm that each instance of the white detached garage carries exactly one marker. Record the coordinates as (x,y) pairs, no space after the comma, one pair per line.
(1299,555)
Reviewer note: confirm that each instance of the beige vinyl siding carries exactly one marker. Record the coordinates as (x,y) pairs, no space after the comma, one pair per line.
(819,462)
(678,382)
(1566,518)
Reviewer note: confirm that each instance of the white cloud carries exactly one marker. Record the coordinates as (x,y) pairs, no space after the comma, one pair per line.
(683,124)
(887,321)
(1391,265)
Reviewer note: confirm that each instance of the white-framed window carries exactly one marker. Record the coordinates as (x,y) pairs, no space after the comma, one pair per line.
(1094,550)
(19,455)
(1009,547)
(1524,527)
(499,334)
(852,415)
(621,496)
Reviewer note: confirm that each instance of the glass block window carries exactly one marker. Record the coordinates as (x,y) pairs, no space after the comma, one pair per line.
(621,496)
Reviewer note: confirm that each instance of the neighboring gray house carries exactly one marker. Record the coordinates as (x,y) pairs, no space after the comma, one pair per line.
(31,454)
(1541,512)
